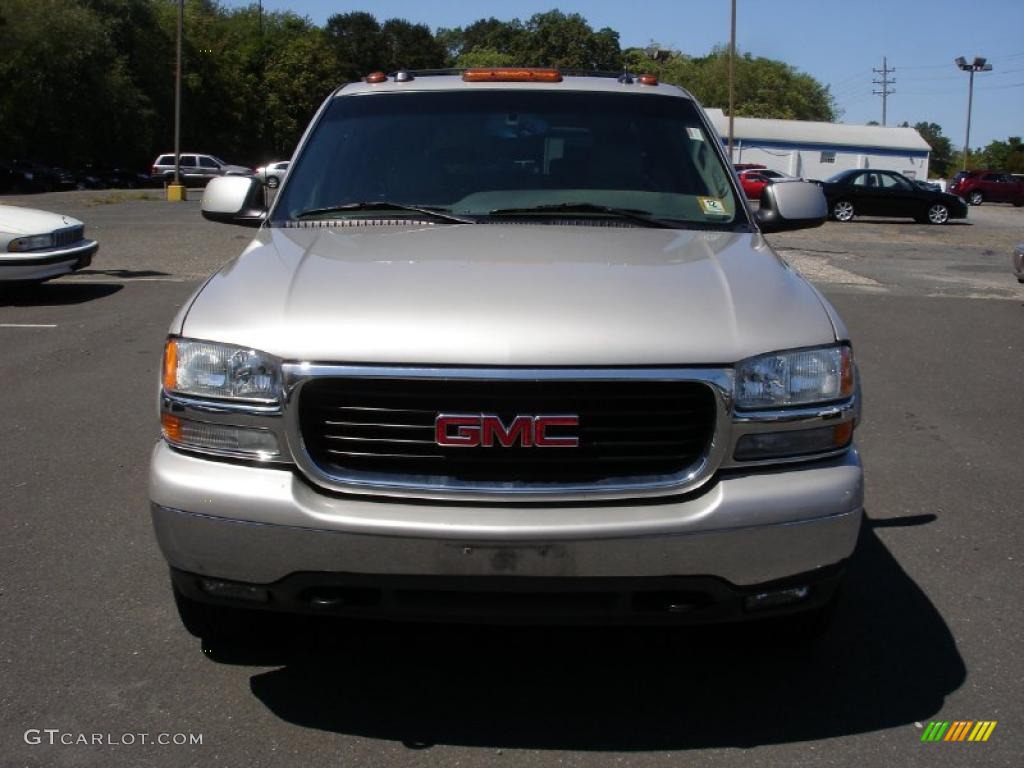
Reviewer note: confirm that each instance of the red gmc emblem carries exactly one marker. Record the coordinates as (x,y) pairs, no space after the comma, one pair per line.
(476,430)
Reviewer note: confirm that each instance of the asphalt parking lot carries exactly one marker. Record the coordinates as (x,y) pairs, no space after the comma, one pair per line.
(929,629)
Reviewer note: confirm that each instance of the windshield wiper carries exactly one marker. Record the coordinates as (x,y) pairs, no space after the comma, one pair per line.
(384,205)
(632,214)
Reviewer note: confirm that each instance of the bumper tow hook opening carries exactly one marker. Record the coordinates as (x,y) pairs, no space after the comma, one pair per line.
(776,598)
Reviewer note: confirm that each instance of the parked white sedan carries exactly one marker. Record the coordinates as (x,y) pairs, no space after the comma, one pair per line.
(38,245)
(272,174)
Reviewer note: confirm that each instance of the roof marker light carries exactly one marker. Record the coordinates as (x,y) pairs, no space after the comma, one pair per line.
(376,77)
(511,75)
(648,79)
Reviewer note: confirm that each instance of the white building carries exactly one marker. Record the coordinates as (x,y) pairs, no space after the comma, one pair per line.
(818,150)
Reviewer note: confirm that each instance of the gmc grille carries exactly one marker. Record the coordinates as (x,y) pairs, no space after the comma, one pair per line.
(386,425)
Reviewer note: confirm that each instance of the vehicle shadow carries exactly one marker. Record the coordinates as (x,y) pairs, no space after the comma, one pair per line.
(889,659)
(123,273)
(55,294)
(904,222)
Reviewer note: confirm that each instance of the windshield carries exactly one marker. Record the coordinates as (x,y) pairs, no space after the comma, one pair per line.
(474,152)
(841,176)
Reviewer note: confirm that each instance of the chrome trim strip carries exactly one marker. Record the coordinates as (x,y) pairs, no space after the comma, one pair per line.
(295,372)
(173,402)
(719,380)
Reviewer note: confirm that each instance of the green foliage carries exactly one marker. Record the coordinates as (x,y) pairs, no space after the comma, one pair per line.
(763,87)
(1004,156)
(551,39)
(93,80)
(942,148)
(485,57)
(362,45)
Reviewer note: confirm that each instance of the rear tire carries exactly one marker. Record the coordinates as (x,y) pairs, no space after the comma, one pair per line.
(975,198)
(843,210)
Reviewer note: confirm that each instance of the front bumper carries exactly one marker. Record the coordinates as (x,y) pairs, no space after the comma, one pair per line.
(42,265)
(261,525)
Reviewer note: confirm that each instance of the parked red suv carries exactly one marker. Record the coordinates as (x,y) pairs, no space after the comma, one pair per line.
(753,183)
(977,187)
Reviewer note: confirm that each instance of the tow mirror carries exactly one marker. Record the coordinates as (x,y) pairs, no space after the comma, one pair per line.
(791,205)
(235,200)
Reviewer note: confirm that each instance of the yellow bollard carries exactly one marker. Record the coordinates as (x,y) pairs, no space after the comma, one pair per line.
(176,193)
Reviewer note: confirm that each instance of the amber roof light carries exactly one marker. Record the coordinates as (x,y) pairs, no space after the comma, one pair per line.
(511,75)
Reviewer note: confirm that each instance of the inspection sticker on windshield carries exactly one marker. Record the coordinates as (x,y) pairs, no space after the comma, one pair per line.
(712,206)
(694,133)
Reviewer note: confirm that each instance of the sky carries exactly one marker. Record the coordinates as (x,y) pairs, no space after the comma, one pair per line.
(839,43)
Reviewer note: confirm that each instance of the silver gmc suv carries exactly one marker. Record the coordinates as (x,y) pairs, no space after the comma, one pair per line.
(507,346)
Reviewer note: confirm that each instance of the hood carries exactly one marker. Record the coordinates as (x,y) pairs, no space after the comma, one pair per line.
(508,295)
(239,169)
(15,220)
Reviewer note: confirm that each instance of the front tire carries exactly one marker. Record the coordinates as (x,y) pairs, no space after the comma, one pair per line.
(938,214)
(975,198)
(843,210)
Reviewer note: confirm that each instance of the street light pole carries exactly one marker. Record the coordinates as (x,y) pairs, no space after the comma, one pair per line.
(732,60)
(978,65)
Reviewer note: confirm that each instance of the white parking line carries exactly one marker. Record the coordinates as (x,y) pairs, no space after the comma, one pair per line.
(28,325)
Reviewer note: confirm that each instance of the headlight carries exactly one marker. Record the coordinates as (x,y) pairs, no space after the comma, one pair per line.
(208,369)
(799,377)
(31,243)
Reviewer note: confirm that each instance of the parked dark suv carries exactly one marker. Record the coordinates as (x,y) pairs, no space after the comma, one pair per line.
(977,187)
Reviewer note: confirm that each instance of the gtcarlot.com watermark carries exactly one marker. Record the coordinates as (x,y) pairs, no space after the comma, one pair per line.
(55,736)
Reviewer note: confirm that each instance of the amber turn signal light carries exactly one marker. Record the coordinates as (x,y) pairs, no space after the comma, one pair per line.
(170,372)
(171,427)
(842,434)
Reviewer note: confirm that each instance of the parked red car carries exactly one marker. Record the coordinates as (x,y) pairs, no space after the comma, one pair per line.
(753,183)
(977,187)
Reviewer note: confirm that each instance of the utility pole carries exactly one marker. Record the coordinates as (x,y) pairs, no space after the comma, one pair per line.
(175,191)
(263,84)
(177,96)
(732,64)
(978,65)
(885,82)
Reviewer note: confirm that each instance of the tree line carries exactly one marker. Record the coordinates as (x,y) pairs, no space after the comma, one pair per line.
(93,80)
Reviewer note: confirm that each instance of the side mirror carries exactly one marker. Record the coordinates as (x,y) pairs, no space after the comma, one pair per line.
(793,205)
(235,200)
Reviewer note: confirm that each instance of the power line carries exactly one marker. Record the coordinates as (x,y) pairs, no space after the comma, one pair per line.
(884,82)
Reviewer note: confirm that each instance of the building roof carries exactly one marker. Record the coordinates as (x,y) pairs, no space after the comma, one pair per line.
(825,134)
